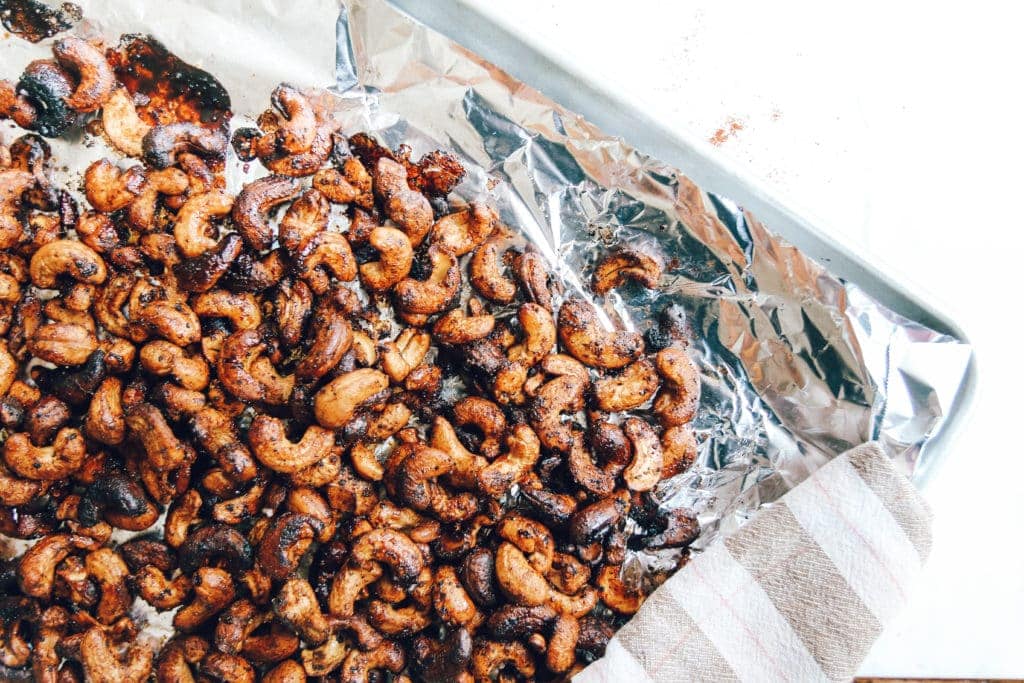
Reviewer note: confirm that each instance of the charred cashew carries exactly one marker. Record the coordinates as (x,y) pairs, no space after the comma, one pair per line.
(108,188)
(680,397)
(326,254)
(214,590)
(625,264)
(633,387)
(95,77)
(66,257)
(242,309)
(102,664)
(409,209)
(47,463)
(248,374)
(407,351)
(162,144)
(63,343)
(436,292)
(254,201)
(513,467)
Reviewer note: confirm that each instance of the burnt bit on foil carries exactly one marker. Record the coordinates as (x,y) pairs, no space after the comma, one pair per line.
(34,21)
(167,89)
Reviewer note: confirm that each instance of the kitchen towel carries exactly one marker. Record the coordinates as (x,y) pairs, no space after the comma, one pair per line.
(799,593)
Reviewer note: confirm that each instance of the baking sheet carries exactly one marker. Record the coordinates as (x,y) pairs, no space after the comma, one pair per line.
(797,364)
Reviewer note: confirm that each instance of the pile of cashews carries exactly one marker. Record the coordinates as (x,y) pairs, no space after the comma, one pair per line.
(351,427)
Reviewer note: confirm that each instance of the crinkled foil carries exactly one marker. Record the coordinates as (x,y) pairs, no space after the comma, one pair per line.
(797,365)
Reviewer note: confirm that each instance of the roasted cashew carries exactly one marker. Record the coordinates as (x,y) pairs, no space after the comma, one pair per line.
(46,87)
(163,358)
(16,106)
(679,450)
(326,254)
(102,664)
(254,201)
(160,592)
(463,231)
(271,446)
(435,293)
(63,343)
(66,257)
(348,584)
(214,590)
(192,228)
(47,463)
(455,327)
(296,132)
(466,466)
(615,593)
(513,467)
(531,271)
(489,658)
(217,542)
(296,605)
(201,273)
(589,342)
(395,261)
(439,662)
(401,356)
(563,394)
(13,185)
(96,80)
(644,472)
(416,482)
(163,449)
(111,573)
(122,124)
(293,304)
(680,396)
(350,185)
(485,273)
(531,537)
(359,666)
(248,374)
(331,340)
(162,144)
(285,542)
(409,209)
(561,653)
(169,182)
(392,548)
(305,218)
(624,264)
(630,389)
(242,309)
(38,565)
(337,402)
(109,189)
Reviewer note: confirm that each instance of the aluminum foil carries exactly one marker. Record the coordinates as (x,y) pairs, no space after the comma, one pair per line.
(797,365)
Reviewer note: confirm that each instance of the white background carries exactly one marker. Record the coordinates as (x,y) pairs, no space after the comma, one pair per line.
(900,126)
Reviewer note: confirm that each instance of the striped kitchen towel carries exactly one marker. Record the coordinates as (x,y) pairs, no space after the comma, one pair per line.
(797,594)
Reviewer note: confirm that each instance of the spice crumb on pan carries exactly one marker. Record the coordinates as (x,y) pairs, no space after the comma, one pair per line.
(339,420)
(729,129)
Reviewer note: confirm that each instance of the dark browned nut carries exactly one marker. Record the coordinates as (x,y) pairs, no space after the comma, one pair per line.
(270,445)
(216,433)
(304,163)
(47,463)
(162,144)
(409,209)
(644,472)
(325,255)
(348,585)
(388,421)
(447,660)
(679,450)
(359,666)
(350,185)
(46,87)
(438,291)
(531,271)
(122,124)
(250,273)
(104,421)
(523,450)
(14,185)
(43,420)
(594,635)
(561,652)
(219,666)
(401,356)
(680,396)
(463,231)
(417,468)
(485,416)
(296,606)
(590,342)
(592,522)
(164,450)
(563,394)
(163,358)
(293,303)
(201,273)
(451,600)
(170,182)
(615,593)
(568,575)
(236,624)
(241,308)
(630,389)
(111,573)
(215,543)
(214,590)
(392,548)
(337,402)
(102,663)
(485,273)
(624,264)
(304,219)
(193,226)
(680,528)
(284,544)
(489,658)
(141,552)
(288,671)
(254,202)
(398,621)
(477,574)
(17,107)
(455,327)
(394,263)
(96,80)
(177,656)
(118,499)
(109,189)
(326,658)
(331,340)
(516,622)
(38,564)
(160,592)
(295,130)
(305,501)
(247,373)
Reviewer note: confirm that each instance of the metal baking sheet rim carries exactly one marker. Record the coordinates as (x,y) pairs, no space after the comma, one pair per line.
(568,84)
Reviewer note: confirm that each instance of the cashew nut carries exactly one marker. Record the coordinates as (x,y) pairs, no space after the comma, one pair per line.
(66,257)
(337,402)
(584,337)
(409,209)
(435,293)
(254,201)
(122,124)
(395,261)
(271,446)
(463,231)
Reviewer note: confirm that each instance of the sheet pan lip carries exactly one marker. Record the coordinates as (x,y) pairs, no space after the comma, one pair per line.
(568,85)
